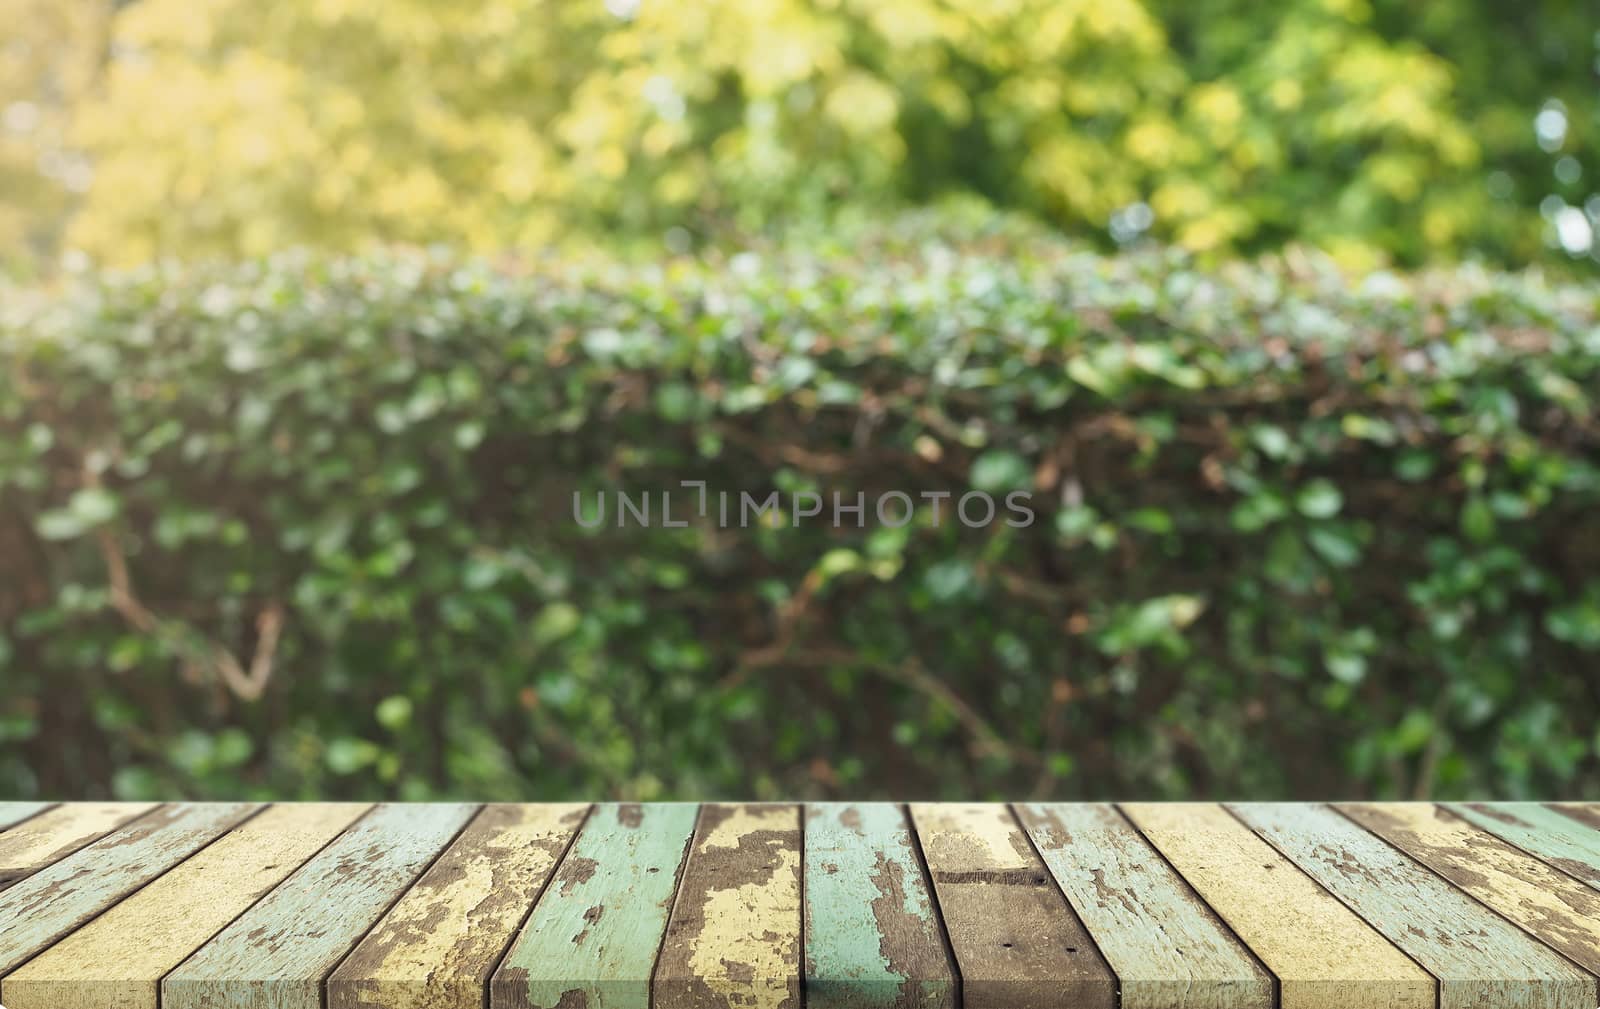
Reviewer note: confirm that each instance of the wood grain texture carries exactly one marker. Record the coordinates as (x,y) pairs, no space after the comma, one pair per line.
(1583,812)
(734,936)
(30,846)
(64,895)
(437,947)
(1168,950)
(1548,832)
(276,955)
(873,940)
(592,940)
(1561,911)
(1481,960)
(1017,943)
(13,813)
(1323,954)
(118,960)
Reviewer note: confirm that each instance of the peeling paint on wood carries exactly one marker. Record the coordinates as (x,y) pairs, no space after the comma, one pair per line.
(63,896)
(1583,812)
(1481,960)
(1168,950)
(29,847)
(1017,943)
(276,955)
(1548,832)
(1559,910)
(1323,954)
(733,941)
(872,938)
(13,813)
(437,947)
(591,942)
(730,906)
(118,960)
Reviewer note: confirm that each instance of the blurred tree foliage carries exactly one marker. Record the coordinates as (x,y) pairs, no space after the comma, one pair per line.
(1377,129)
(303,527)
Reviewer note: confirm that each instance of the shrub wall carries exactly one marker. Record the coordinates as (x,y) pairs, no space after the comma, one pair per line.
(304,527)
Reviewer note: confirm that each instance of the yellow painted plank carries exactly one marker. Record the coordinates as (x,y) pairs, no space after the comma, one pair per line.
(436,948)
(1324,955)
(48,837)
(1556,908)
(734,936)
(1481,960)
(63,897)
(117,961)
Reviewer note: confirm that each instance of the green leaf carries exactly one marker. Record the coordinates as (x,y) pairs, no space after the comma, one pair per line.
(999,471)
(394,712)
(1319,499)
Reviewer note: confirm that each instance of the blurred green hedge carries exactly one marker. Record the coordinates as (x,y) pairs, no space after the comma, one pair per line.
(1296,536)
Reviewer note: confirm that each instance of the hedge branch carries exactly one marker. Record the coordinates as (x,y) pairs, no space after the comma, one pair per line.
(200,654)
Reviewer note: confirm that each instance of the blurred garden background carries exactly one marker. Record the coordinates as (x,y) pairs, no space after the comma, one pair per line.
(314,314)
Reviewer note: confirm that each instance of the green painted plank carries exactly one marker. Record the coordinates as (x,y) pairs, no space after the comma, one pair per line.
(436,948)
(1561,840)
(13,813)
(1558,910)
(1583,812)
(1481,960)
(593,938)
(50,837)
(59,898)
(1168,949)
(277,954)
(873,940)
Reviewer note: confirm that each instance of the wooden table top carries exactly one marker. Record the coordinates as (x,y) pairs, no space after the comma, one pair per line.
(1364,906)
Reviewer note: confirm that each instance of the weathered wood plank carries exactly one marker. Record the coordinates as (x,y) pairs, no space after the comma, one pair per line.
(1481,960)
(49,837)
(13,813)
(437,947)
(1168,950)
(1583,812)
(1562,840)
(1546,832)
(592,940)
(276,955)
(872,938)
(1556,908)
(1323,954)
(734,935)
(1016,941)
(118,960)
(62,896)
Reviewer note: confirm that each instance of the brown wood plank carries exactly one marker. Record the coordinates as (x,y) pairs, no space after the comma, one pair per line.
(734,936)
(1017,942)
(1583,812)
